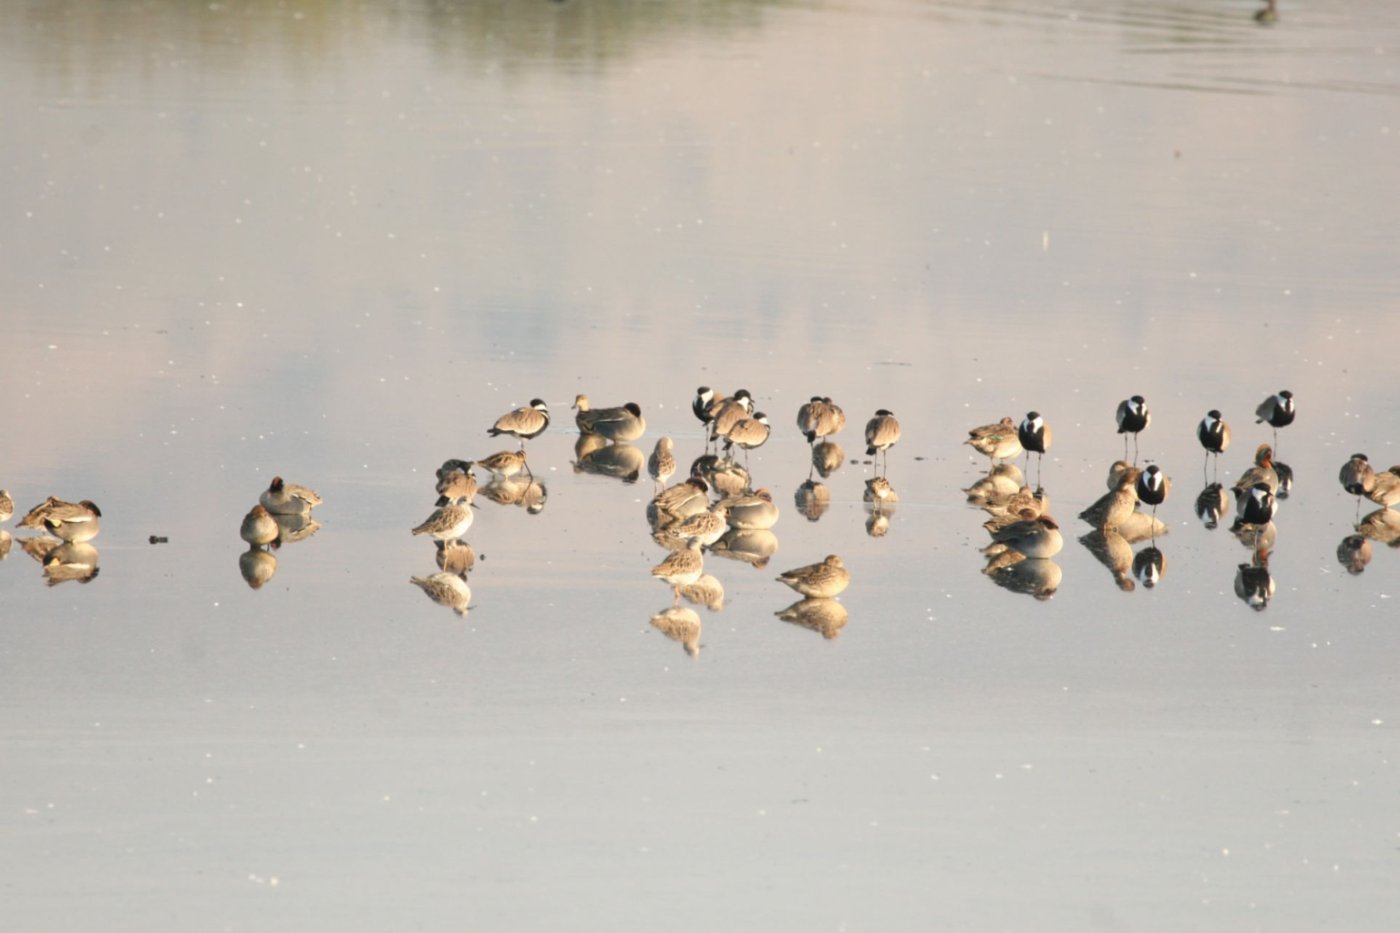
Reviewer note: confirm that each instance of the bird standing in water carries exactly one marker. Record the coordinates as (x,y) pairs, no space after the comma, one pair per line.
(523,423)
(1358,477)
(1214,434)
(1277,410)
(1153,486)
(1035,437)
(881,433)
(1133,418)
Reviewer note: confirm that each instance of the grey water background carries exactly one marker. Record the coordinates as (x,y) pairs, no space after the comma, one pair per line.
(335,240)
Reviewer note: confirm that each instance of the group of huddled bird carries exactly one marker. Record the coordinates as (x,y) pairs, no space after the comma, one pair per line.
(64,547)
(717,510)
(282,516)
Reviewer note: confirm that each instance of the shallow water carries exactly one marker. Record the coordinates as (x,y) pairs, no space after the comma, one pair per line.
(334,242)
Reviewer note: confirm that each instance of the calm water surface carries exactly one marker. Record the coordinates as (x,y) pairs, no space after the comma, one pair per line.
(334,241)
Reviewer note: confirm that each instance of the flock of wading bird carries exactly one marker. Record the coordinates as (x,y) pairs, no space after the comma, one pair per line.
(716,510)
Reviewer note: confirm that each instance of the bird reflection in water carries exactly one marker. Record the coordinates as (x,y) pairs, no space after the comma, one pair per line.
(257,566)
(1285,479)
(446,589)
(1038,577)
(1149,566)
(823,615)
(879,493)
(455,557)
(526,492)
(1382,525)
(1253,582)
(1114,552)
(294,528)
(6,541)
(706,591)
(619,461)
(812,499)
(1255,537)
(1211,504)
(1037,538)
(1354,553)
(827,458)
(880,499)
(39,547)
(754,546)
(680,624)
(1003,481)
(72,560)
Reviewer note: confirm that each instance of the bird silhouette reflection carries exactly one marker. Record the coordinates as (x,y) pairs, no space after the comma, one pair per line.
(823,615)
(680,624)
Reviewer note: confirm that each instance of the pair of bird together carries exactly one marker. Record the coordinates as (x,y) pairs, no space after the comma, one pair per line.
(283,511)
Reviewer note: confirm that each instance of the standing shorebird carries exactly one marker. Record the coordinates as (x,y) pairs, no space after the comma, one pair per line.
(682,568)
(662,462)
(704,405)
(1254,508)
(819,581)
(1035,436)
(819,418)
(1358,478)
(523,423)
(1255,505)
(1277,410)
(448,522)
(881,433)
(1000,441)
(1214,435)
(1152,487)
(506,463)
(748,433)
(1133,418)
(730,412)
(7,506)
